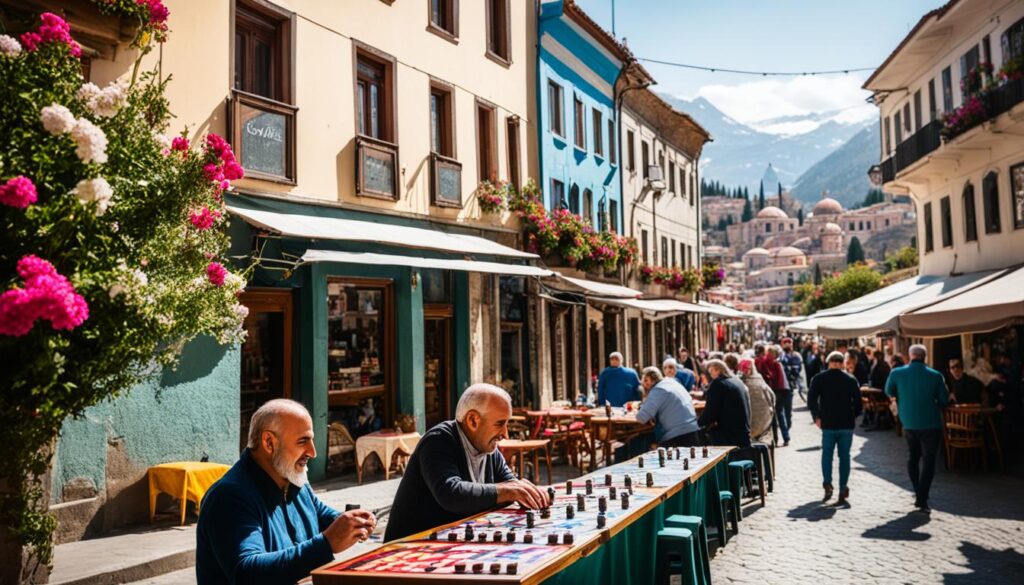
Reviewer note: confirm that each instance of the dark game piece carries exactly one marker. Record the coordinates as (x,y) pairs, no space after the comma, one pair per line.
(570,512)
(567,538)
(469,533)
(433,535)
(693,452)
(668,454)
(612,493)
(545,512)
(602,504)
(528,537)
(512,568)
(497,536)
(650,479)
(590,486)
(625,501)
(661,462)
(608,410)
(686,463)
(478,568)
(704,452)
(581,502)
(351,507)
(481,537)
(452,537)
(530,519)
(568,487)
(510,536)
(495,568)
(640,462)
(607,479)
(551,493)
(552,538)
(628,481)
(460,567)
(601,520)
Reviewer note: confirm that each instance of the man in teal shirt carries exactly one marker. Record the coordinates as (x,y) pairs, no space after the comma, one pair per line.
(617,384)
(920,394)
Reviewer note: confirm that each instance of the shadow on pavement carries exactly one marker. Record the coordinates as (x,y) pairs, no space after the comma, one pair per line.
(901,528)
(812,511)
(809,449)
(992,567)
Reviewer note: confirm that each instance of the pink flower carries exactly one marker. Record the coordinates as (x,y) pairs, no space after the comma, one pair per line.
(180,144)
(46,295)
(53,29)
(158,13)
(204,218)
(232,170)
(213,172)
(216,272)
(216,144)
(18,192)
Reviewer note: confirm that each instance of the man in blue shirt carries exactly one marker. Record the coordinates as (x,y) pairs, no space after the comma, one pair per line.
(920,394)
(262,523)
(617,384)
(670,405)
(681,374)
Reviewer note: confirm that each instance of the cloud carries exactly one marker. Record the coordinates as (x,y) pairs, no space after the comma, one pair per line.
(760,100)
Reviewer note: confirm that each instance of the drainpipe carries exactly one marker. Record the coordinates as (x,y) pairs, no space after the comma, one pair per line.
(618,128)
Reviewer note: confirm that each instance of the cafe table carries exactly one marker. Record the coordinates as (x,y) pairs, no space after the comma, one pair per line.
(620,426)
(384,444)
(987,414)
(184,480)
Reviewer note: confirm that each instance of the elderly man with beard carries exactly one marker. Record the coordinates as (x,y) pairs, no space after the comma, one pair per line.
(262,523)
(457,471)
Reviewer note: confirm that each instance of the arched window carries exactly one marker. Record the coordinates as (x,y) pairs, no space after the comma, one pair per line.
(574,199)
(970,214)
(990,203)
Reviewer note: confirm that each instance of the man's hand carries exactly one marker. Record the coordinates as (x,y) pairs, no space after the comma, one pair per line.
(523,492)
(349,528)
(817,421)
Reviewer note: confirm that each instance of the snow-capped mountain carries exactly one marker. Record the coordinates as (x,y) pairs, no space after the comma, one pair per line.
(792,144)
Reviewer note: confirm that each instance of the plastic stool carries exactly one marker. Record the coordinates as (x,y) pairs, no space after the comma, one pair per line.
(740,475)
(734,510)
(695,524)
(766,464)
(675,556)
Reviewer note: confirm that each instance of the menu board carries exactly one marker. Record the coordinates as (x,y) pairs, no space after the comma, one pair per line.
(264,137)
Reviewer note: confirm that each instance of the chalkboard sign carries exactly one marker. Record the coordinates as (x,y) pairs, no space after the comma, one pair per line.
(264,142)
(378,171)
(449,183)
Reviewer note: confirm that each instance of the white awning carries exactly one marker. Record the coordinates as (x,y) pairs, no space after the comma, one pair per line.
(772,318)
(418,262)
(989,306)
(659,308)
(722,310)
(880,296)
(601,289)
(352,230)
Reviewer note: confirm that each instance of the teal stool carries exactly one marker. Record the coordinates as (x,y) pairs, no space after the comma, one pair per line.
(675,557)
(741,473)
(725,496)
(695,524)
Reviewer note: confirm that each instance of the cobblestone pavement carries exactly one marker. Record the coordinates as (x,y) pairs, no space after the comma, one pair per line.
(974,535)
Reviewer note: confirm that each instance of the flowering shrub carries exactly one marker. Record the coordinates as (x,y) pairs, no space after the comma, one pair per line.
(961,119)
(712,275)
(112,242)
(677,279)
(493,196)
(1012,70)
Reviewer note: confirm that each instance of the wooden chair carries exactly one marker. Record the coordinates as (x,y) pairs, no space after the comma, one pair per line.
(962,431)
(518,454)
(340,445)
(565,433)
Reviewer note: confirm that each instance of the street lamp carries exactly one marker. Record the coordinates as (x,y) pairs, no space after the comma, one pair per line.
(875,175)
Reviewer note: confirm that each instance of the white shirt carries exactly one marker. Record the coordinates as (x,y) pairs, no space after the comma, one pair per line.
(475,460)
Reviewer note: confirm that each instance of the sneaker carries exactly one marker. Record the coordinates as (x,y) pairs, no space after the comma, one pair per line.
(922,507)
(828,493)
(844,494)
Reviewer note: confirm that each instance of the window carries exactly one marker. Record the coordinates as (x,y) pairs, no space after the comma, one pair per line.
(374,96)
(645,159)
(986,49)
(693,188)
(851,226)
(512,139)
(579,126)
(906,119)
(487,155)
(442,123)
(682,181)
(557,194)
(947,90)
(498,33)
(917,110)
(929,243)
(932,112)
(672,177)
(946,216)
(613,215)
(630,151)
(885,136)
(602,219)
(767,228)
(261,42)
(555,117)
(970,214)
(1017,194)
(1012,42)
(664,251)
(899,128)
(588,206)
(860,226)
(643,246)
(990,203)
(682,256)
(598,132)
(689,256)
(444,18)
(574,199)
(674,253)
(613,154)
(970,84)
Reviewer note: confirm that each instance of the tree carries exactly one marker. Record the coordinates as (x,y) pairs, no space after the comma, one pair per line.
(874,196)
(725,240)
(780,193)
(760,198)
(721,224)
(112,254)
(748,211)
(905,257)
(855,282)
(855,252)
(746,194)
(800,215)
(817,274)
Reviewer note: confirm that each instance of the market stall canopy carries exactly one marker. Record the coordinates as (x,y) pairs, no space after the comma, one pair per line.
(885,316)
(880,296)
(353,230)
(657,308)
(771,318)
(722,310)
(419,262)
(989,306)
(592,287)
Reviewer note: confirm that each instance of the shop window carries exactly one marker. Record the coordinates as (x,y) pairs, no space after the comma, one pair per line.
(990,203)
(498,33)
(437,286)
(970,214)
(444,18)
(946,216)
(555,110)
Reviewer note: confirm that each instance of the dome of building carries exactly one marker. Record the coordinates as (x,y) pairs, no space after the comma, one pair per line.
(802,243)
(772,212)
(831,228)
(787,252)
(827,206)
(756,252)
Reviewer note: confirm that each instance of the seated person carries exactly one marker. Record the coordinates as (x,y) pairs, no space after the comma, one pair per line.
(726,413)
(261,522)
(670,405)
(457,471)
(681,374)
(964,388)
(617,384)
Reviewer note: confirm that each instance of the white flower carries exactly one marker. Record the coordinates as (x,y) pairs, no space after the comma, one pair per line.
(91,141)
(57,119)
(97,190)
(9,46)
(140,277)
(241,311)
(115,227)
(108,101)
(162,141)
(87,92)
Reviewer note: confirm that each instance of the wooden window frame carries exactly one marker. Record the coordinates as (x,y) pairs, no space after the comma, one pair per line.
(946,221)
(1016,215)
(970,212)
(283,23)
(631,150)
(513,153)
(450,32)
(490,173)
(448,130)
(597,120)
(579,122)
(240,99)
(613,153)
(990,203)
(556,111)
(506,17)
(929,231)
(389,123)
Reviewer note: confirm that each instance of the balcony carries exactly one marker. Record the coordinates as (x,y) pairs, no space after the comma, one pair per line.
(920,144)
(376,164)
(445,181)
(263,136)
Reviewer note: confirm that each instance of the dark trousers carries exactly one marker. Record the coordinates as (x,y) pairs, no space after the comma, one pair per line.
(784,412)
(687,440)
(924,444)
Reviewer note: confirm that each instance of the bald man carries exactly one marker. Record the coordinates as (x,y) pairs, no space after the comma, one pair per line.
(617,384)
(457,471)
(261,523)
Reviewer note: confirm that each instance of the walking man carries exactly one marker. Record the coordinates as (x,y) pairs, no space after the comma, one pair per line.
(834,400)
(617,384)
(920,394)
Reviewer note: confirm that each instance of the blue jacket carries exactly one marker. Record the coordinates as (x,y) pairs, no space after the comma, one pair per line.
(249,531)
(686,378)
(920,394)
(617,385)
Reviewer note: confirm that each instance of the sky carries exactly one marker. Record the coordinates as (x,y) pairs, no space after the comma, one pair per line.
(764,35)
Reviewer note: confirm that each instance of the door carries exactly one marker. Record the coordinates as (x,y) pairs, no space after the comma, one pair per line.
(437,367)
(266,354)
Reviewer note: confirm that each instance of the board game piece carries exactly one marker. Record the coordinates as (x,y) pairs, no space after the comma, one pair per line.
(625,501)
(433,535)
(351,507)
(452,537)
(568,487)
(545,512)
(678,454)
(601,520)
(567,538)
(607,479)
(530,519)
(512,568)
(704,453)
(668,454)
(581,502)
(570,512)
(602,504)
(628,481)
(552,538)
(478,568)
(528,537)
(608,410)
(650,479)
(590,486)
(495,568)
(686,463)
(640,462)
(510,536)
(611,493)
(469,533)
(497,536)
(460,567)
(661,462)
(693,452)
(551,493)
(481,537)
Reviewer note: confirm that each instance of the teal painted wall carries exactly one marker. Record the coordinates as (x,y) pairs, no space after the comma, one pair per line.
(178,415)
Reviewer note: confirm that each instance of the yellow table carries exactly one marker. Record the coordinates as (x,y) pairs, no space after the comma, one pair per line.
(185,480)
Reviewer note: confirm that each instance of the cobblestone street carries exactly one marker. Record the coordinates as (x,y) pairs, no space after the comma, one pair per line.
(975,533)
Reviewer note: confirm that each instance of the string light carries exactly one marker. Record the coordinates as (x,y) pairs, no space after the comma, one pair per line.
(760,73)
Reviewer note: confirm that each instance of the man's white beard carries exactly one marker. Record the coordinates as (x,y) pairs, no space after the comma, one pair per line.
(288,471)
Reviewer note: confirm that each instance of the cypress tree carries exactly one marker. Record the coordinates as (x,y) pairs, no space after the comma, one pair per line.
(817,274)
(760,198)
(800,215)
(748,211)
(855,253)
(780,193)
